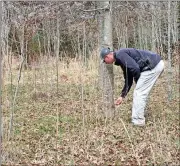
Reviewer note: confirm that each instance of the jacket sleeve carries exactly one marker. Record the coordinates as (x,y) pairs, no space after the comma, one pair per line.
(128,80)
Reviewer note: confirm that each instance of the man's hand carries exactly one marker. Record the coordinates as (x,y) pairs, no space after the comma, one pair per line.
(119,101)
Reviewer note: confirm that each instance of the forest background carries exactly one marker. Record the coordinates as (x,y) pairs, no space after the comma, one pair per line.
(52,101)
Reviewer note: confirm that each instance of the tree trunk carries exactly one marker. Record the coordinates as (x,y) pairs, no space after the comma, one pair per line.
(106,71)
(0,81)
(169,52)
(153,48)
(57,44)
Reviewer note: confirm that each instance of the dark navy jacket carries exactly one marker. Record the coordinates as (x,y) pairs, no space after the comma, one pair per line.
(133,62)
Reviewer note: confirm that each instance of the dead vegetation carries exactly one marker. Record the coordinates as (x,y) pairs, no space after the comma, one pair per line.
(58,120)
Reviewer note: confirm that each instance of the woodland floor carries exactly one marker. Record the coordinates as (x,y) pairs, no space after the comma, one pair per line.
(60,122)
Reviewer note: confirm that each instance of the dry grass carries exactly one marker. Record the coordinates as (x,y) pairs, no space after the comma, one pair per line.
(58,120)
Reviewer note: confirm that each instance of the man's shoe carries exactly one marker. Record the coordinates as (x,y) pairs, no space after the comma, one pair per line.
(139,125)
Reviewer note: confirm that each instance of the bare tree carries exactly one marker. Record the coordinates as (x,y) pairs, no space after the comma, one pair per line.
(0,81)
(153,27)
(169,51)
(57,39)
(107,70)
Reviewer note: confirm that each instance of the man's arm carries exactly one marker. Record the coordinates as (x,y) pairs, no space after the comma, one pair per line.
(128,80)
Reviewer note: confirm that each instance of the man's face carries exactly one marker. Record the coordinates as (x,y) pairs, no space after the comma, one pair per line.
(109,58)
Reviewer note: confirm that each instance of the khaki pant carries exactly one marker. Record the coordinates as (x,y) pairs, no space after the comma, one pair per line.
(141,92)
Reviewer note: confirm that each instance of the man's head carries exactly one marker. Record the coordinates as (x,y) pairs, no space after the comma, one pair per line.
(107,55)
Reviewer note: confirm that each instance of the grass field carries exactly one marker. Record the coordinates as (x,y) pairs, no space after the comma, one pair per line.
(58,119)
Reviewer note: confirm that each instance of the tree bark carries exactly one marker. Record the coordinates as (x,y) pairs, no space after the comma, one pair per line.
(0,81)
(106,71)
(153,48)
(169,51)
(57,52)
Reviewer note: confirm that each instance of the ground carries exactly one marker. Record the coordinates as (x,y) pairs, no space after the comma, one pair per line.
(59,120)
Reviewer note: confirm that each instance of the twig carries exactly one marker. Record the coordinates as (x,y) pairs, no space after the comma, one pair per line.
(153,154)
(132,146)
(57,132)
(14,100)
